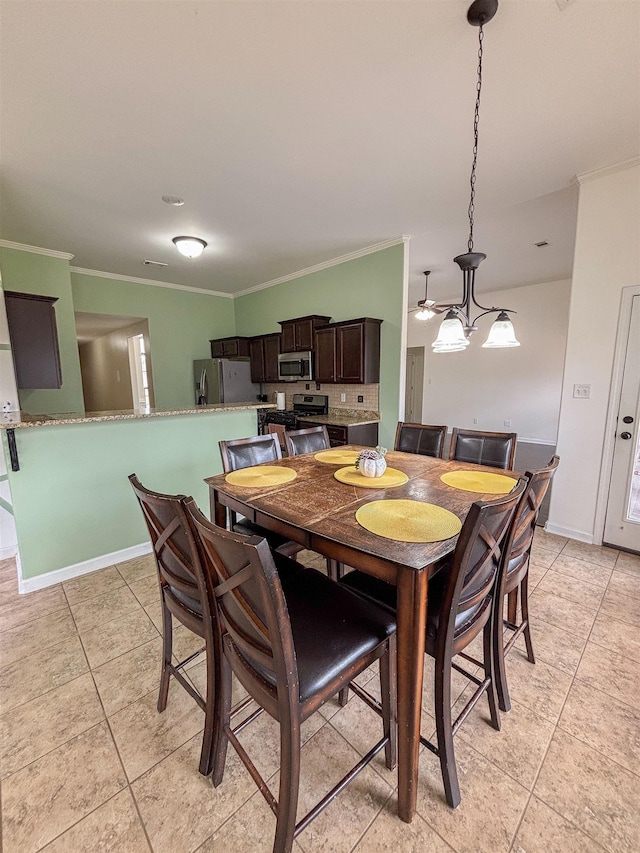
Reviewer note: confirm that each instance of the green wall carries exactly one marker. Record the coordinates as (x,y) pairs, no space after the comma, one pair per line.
(71,498)
(181,323)
(370,286)
(28,272)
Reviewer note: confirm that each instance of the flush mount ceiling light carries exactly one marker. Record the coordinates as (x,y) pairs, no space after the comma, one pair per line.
(190,247)
(458,326)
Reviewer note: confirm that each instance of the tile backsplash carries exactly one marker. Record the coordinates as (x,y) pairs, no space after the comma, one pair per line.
(369,393)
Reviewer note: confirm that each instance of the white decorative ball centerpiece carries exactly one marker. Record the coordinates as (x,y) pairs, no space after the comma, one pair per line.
(371,463)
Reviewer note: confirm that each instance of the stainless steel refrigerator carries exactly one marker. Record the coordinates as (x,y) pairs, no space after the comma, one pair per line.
(223,380)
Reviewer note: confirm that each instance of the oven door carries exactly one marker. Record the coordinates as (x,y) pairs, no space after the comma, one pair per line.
(295,367)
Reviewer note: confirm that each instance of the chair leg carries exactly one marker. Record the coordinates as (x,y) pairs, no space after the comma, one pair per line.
(512,606)
(499,671)
(213,678)
(167,650)
(444,731)
(388,680)
(489,670)
(334,569)
(524,599)
(343,696)
(289,785)
(221,720)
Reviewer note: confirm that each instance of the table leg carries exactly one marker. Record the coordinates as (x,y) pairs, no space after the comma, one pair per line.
(218,510)
(411,610)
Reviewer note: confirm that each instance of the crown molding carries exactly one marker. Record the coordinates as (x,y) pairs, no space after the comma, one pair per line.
(151,282)
(608,170)
(334,262)
(36,250)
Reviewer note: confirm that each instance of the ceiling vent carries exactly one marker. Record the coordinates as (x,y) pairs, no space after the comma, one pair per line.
(541,244)
(148,263)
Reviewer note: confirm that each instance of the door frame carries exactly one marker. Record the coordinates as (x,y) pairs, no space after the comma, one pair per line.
(606,468)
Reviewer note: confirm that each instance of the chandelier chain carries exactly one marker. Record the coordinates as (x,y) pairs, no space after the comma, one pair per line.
(476,120)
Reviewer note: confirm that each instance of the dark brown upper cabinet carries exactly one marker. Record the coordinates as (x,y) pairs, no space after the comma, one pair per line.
(297,335)
(264,351)
(230,347)
(34,340)
(348,351)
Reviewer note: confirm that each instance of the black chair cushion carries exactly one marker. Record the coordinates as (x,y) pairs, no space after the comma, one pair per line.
(426,441)
(332,628)
(191,603)
(310,443)
(483,450)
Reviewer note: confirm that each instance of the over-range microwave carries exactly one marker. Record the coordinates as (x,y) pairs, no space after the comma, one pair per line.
(295,366)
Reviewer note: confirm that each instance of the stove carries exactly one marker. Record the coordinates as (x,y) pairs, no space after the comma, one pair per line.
(304,405)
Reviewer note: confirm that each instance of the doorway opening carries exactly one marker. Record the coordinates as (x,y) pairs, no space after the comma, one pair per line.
(414,385)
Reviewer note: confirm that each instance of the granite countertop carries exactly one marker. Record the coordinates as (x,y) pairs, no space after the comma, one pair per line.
(344,417)
(17,420)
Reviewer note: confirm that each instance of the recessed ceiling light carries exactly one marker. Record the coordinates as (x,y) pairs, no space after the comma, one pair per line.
(190,247)
(174,200)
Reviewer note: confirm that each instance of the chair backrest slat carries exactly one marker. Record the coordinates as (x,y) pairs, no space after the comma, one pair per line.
(524,520)
(309,440)
(245,452)
(424,439)
(497,449)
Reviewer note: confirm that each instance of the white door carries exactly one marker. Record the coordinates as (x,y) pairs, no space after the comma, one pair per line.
(622,525)
(413,389)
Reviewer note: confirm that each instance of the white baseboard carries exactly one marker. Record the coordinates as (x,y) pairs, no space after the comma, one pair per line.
(9,551)
(570,533)
(78,569)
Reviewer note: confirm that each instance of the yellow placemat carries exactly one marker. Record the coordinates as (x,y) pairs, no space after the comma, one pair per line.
(391,477)
(479,481)
(408,521)
(261,475)
(337,457)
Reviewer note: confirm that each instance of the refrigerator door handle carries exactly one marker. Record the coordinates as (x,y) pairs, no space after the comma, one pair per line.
(204,391)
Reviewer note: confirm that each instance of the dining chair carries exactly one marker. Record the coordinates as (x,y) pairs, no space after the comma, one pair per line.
(459,608)
(240,453)
(279,431)
(424,439)
(515,575)
(497,449)
(309,440)
(293,639)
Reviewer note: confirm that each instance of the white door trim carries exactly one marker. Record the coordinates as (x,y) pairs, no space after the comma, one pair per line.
(608,445)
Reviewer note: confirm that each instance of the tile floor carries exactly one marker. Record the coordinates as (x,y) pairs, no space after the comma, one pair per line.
(87,763)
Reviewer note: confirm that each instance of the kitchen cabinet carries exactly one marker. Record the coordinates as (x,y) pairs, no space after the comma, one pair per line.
(297,334)
(349,352)
(263,352)
(230,347)
(34,339)
(366,435)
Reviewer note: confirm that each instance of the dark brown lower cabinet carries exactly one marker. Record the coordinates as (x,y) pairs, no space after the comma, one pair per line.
(363,434)
(34,339)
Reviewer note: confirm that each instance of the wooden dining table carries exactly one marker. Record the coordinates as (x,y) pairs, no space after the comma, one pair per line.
(318,512)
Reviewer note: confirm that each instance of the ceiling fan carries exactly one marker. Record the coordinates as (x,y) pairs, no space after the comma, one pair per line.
(427,308)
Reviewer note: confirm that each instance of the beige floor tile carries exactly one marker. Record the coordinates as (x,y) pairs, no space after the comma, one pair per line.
(36,636)
(544,831)
(146,590)
(44,799)
(629,563)
(591,553)
(555,646)
(43,724)
(389,834)
(571,589)
(105,642)
(619,637)
(154,612)
(536,573)
(550,541)
(592,792)
(103,608)
(95,583)
(561,612)
(622,583)
(582,570)
(615,675)
(114,826)
(186,643)
(325,760)
(491,807)
(126,679)
(33,605)
(608,725)
(8,589)
(621,607)
(520,745)
(250,830)
(539,686)
(180,808)
(37,674)
(541,557)
(137,568)
(145,736)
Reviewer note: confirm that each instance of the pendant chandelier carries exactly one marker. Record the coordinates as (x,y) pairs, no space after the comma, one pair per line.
(458,326)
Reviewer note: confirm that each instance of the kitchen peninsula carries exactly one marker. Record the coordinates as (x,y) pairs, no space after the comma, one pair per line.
(72,504)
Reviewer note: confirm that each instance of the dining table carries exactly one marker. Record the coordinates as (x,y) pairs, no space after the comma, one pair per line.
(318,512)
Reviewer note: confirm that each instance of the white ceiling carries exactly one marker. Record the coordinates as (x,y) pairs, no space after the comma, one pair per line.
(298,132)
